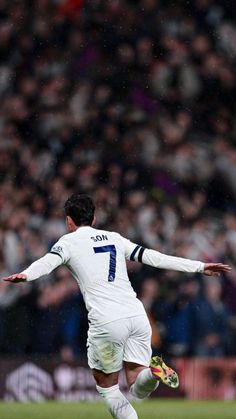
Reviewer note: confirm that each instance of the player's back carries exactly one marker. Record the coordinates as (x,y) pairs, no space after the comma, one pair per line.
(97,261)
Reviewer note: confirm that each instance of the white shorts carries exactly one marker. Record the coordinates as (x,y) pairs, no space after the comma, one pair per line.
(121,340)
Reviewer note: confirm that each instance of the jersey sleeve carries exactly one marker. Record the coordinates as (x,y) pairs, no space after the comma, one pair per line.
(159,260)
(58,255)
(132,250)
(61,248)
(42,266)
(162,261)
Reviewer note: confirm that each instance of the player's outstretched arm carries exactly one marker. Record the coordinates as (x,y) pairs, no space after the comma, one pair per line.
(160,260)
(40,267)
(137,253)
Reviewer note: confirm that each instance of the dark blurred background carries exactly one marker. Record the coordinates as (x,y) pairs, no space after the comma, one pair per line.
(134,103)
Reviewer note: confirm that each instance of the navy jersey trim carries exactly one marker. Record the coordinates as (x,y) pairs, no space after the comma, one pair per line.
(140,255)
(134,253)
(58,254)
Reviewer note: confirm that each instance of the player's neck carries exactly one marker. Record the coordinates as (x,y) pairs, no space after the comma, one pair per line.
(75,228)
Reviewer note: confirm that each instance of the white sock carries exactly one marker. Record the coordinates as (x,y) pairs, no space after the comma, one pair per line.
(118,405)
(144,384)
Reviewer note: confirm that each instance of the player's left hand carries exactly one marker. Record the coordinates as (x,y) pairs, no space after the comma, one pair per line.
(211,269)
(15,278)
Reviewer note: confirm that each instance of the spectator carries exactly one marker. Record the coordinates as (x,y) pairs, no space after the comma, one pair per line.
(179,319)
(210,321)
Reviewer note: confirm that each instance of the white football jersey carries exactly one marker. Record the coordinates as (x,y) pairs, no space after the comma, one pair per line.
(97,260)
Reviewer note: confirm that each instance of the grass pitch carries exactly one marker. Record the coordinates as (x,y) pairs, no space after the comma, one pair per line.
(158,409)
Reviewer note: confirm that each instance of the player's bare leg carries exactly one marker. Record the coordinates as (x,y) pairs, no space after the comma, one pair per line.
(105,380)
(108,387)
(140,380)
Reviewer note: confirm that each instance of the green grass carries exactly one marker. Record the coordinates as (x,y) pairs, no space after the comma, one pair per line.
(159,409)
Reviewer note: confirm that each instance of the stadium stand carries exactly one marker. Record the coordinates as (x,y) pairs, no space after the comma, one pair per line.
(134,103)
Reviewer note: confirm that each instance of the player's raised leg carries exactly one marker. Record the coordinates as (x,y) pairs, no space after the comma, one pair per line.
(108,388)
(142,381)
(143,376)
(137,355)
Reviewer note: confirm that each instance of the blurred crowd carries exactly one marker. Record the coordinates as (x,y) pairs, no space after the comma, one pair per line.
(133,102)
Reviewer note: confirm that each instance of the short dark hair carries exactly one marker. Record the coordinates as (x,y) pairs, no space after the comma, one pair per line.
(80,207)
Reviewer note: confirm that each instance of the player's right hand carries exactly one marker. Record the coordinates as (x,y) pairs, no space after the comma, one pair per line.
(15,278)
(211,269)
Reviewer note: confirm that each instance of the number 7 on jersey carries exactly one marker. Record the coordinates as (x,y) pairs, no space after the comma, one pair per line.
(112,263)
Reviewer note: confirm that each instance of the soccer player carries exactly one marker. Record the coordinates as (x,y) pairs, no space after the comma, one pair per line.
(119,331)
